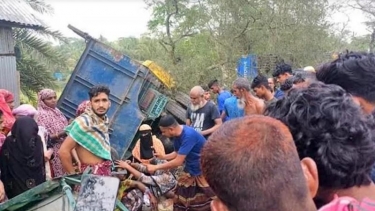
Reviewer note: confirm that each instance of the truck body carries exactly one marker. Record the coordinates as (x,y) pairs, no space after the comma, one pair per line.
(136,93)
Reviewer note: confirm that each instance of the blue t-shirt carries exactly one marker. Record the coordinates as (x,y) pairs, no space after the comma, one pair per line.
(190,143)
(279,94)
(221,97)
(231,109)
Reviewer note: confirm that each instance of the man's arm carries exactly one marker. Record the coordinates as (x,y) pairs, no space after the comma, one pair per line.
(188,120)
(176,162)
(215,115)
(65,154)
(218,123)
(169,156)
(223,115)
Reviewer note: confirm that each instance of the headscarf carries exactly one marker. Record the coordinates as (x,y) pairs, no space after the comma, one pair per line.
(51,118)
(21,158)
(146,145)
(5,98)
(83,107)
(25,110)
(8,96)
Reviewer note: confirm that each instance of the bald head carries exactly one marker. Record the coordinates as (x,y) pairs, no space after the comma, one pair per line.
(257,160)
(197,90)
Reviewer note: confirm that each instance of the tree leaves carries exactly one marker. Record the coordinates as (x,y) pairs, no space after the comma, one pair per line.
(38,57)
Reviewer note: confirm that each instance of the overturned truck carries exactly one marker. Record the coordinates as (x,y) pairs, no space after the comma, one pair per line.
(140,93)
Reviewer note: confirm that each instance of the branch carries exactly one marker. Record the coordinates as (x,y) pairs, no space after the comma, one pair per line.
(168,21)
(243,30)
(162,43)
(183,36)
(217,65)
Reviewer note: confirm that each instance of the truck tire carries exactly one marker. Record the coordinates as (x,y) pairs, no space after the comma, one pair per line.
(182,99)
(176,110)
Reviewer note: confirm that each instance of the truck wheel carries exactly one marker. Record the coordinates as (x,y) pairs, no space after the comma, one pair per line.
(176,110)
(182,98)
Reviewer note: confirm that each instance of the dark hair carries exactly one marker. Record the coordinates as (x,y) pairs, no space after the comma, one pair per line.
(213,82)
(167,121)
(96,90)
(259,81)
(354,71)
(282,69)
(288,84)
(205,88)
(301,76)
(253,158)
(330,128)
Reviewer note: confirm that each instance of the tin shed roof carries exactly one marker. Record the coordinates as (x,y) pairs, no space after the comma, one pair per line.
(18,13)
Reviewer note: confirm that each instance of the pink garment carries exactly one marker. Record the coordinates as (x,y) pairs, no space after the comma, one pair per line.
(5,98)
(83,107)
(51,118)
(349,204)
(2,140)
(8,96)
(25,110)
(55,122)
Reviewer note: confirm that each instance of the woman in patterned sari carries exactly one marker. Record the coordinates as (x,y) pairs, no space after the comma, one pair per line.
(55,122)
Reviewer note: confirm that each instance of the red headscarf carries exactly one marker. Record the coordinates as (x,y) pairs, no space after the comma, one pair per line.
(5,98)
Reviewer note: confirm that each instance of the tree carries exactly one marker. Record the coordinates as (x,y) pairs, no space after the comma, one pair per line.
(368,8)
(205,38)
(37,57)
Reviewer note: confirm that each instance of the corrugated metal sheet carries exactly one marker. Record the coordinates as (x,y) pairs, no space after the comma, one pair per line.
(9,78)
(19,14)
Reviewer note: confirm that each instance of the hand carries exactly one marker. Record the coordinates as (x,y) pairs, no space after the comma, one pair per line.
(151,168)
(154,201)
(159,156)
(122,164)
(48,154)
(129,183)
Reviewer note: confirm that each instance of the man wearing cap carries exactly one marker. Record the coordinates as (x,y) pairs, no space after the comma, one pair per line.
(146,145)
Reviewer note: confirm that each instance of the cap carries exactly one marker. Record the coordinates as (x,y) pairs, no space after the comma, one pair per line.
(144,127)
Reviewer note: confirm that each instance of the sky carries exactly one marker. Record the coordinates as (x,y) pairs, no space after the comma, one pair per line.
(121,18)
(110,18)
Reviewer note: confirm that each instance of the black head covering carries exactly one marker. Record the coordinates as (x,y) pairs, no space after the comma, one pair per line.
(22,158)
(146,145)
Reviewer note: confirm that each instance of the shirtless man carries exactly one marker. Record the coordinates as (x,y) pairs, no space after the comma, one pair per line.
(88,134)
(245,100)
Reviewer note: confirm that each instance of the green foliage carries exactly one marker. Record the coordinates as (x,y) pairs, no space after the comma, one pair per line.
(39,59)
(31,73)
(198,40)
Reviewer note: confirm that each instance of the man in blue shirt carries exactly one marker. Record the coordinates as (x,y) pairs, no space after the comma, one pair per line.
(231,109)
(222,95)
(276,91)
(192,192)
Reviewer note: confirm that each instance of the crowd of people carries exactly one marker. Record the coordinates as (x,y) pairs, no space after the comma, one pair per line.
(301,140)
